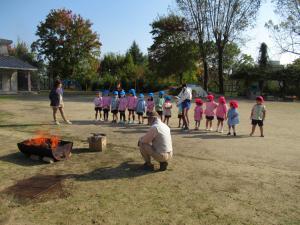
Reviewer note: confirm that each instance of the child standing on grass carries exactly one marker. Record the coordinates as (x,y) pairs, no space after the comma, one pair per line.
(159,104)
(258,115)
(221,113)
(115,106)
(141,108)
(210,107)
(198,111)
(233,117)
(167,107)
(150,104)
(98,106)
(132,101)
(106,100)
(122,107)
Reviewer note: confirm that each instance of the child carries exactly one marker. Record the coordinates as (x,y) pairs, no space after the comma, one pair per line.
(258,115)
(233,117)
(98,106)
(106,100)
(122,107)
(141,108)
(159,104)
(210,107)
(221,113)
(150,104)
(167,106)
(115,106)
(179,106)
(131,104)
(198,111)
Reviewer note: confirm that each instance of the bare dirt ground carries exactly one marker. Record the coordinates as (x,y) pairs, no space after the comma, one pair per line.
(212,179)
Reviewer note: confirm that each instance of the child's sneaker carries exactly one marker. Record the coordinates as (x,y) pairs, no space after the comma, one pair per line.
(221,131)
(56,122)
(234,134)
(101,120)
(211,129)
(228,133)
(217,130)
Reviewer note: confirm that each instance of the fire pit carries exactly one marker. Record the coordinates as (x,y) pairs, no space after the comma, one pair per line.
(46,148)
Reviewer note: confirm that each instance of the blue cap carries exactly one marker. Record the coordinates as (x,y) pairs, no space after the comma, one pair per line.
(161,93)
(168,98)
(141,96)
(122,92)
(150,94)
(116,93)
(132,91)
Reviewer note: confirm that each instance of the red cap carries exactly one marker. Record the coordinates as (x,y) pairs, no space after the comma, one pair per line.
(260,98)
(198,101)
(234,104)
(222,100)
(210,97)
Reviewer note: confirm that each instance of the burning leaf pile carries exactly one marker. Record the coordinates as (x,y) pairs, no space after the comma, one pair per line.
(43,140)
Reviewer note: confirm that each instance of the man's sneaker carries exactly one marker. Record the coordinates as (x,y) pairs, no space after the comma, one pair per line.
(56,122)
(163,166)
(147,167)
(234,134)
(68,122)
(228,133)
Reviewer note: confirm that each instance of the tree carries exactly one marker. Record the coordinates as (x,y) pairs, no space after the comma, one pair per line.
(287,33)
(226,20)
(66,42)
(172,52)
(196,13)
(137,55)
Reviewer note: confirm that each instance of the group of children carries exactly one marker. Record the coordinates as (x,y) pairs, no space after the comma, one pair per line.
(119,103)
(222,113)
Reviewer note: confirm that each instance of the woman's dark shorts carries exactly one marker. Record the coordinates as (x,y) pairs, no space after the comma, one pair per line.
(186,104)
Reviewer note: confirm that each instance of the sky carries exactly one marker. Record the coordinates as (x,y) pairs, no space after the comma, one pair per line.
(119,22)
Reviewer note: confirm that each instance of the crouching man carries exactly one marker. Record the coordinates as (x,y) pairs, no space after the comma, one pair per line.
(156,143)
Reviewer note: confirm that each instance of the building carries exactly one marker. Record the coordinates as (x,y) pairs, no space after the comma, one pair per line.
(15,74)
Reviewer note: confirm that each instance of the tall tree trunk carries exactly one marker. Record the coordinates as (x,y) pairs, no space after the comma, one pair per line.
(181,78)
(205,78)
(220,69)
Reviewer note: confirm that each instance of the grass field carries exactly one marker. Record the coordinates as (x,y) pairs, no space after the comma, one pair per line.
(212,179)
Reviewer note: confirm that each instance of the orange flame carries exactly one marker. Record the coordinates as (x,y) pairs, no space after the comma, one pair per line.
(44,139)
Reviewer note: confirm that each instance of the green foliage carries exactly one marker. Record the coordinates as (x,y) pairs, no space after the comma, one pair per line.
(68,44)
(137,56)
(173,52)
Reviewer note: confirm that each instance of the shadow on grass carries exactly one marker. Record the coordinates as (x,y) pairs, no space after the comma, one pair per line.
(24,125)
(216,136)
(82,151)
(124,170)
(20,159)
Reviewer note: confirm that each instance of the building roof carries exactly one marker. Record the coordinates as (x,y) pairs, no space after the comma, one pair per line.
(13,63)
(5,41)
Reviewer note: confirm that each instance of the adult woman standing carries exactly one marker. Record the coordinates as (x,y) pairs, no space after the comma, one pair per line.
(56,101)
(185,97)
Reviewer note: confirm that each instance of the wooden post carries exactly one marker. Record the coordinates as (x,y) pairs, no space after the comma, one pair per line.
(29,81)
